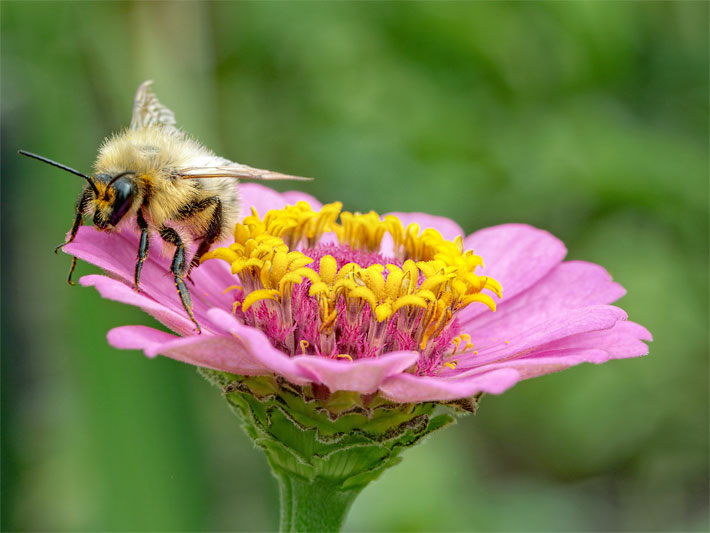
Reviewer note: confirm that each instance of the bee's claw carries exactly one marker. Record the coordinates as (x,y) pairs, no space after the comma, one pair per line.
(71,271)
(57,248)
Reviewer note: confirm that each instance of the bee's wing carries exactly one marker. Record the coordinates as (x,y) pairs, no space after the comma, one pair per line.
(235,170)
(148,111)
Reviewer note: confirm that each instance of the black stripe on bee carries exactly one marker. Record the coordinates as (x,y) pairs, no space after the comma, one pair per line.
(147,192)
(196,206)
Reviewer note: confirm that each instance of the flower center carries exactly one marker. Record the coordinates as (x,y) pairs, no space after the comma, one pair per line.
(348,285)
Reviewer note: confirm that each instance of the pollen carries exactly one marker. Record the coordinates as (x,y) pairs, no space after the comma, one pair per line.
(304,346)
(316,283)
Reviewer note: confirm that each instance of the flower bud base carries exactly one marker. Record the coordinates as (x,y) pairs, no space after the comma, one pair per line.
(324,448)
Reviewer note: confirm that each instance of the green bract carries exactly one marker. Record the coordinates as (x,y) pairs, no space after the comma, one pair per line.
(325,448)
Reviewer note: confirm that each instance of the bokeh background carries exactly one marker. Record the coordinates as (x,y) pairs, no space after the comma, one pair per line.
(587,119)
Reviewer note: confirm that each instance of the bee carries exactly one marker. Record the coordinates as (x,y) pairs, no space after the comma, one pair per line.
(156,176)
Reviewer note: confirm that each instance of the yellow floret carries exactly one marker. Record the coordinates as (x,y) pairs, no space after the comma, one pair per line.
(437,277)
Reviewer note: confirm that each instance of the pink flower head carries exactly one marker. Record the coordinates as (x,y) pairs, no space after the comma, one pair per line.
(366,303)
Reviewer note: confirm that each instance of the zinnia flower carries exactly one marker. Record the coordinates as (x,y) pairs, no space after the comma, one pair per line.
(335,336)
(401,305)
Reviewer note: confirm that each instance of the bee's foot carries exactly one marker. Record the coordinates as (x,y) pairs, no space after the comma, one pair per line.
(59,247)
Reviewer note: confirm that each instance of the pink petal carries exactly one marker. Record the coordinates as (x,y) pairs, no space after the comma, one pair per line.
(211,278)
(516,255)
(545,362)
(621,341)
(570,285)
(364,375)
(137,338)
(520,340)
(218,352)
(259,347)
(260,197)
(116,253)
(447,227)
(411,388)
(625,339)
(208,351)
(120,292)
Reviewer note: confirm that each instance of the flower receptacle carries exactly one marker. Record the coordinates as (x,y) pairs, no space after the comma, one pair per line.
(333,447)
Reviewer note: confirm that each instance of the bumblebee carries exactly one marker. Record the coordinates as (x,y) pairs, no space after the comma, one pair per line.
(156,176)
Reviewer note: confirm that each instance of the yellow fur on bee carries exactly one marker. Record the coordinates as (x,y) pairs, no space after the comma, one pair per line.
(156,156)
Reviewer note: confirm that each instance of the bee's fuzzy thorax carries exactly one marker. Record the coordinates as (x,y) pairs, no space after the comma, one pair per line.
(157,156)
(151,150)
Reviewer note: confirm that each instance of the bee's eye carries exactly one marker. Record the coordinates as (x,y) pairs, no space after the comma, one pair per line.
(123,189)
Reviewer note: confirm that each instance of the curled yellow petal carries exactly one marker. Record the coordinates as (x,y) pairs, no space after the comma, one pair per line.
(318,288)
(483,298)
(258,295)
(409,300)
(494,286)
(433,283)
(220,253)
(364,294)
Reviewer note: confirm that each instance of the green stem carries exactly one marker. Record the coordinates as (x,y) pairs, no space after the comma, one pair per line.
(312,505)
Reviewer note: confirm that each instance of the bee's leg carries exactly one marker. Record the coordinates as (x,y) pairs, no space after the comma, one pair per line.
(78,221)
(178,270)
(211,235)
(142,249)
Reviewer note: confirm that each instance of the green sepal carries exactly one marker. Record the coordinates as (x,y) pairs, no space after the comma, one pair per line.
(327,444)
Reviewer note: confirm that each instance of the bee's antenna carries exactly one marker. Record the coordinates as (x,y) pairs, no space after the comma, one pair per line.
(63,167)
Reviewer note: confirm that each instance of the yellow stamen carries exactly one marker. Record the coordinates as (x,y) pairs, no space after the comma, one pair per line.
(232,288)
(258,295)
(409,300)
(456,341)
(467,339)
(436,280)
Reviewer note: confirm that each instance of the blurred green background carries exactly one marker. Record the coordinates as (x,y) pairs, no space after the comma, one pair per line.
(587,119)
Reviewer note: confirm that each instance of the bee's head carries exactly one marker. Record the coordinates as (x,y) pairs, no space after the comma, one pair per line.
(113,198)
(112,195)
